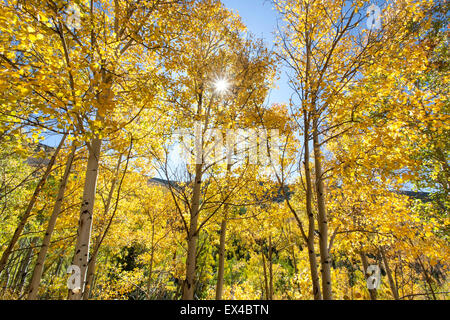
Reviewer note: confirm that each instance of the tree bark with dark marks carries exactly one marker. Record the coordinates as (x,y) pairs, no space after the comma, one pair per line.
(39,266)
(81,258)
(325,260)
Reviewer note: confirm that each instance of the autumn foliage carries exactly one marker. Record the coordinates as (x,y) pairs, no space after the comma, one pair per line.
(99,99)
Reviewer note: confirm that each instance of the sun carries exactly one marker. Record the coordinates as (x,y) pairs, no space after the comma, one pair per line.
(221,86)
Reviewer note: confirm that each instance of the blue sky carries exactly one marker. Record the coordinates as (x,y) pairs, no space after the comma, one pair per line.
(261,20)
(258,15)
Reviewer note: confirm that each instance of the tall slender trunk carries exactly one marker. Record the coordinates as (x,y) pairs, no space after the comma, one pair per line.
(150,271)
(394,289)
(152,255)
(221,269)
(189,283)
(90,274)
(269,258)
(266,282)
(325,260)
(309,191)
(27,213)
(191,259)
(365,263)
(222,251)
(81,255)
(311,221)
(94,283)
(93,260)
(39,267)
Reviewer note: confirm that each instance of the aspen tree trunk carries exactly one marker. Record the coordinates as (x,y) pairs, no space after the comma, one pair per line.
(309,191)
(394,289)
(266,282)
(220,275)
(94,283)
(322,217)
(365,263)
(39,267)
(80,258)
(90,273)
(311,221)
(223,232)
(150,271)
(27,213)
(270,269)
(191,259)
(189,284)
(93,260)
(152,255)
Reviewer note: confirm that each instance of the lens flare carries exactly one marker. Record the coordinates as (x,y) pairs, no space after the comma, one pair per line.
(221,85)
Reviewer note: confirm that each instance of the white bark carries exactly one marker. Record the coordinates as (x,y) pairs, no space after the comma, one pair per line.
(81,255)
(39,267)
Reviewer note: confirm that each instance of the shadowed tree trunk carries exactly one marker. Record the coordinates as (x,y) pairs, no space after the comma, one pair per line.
(266,282)
(150,267)
(189,284)
(222,251)
(322,218)
(311,221)
(37,273)
(394,289)
(269,258)
(220,273)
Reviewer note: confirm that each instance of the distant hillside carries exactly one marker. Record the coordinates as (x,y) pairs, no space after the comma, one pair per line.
(423,196)
(34,162)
